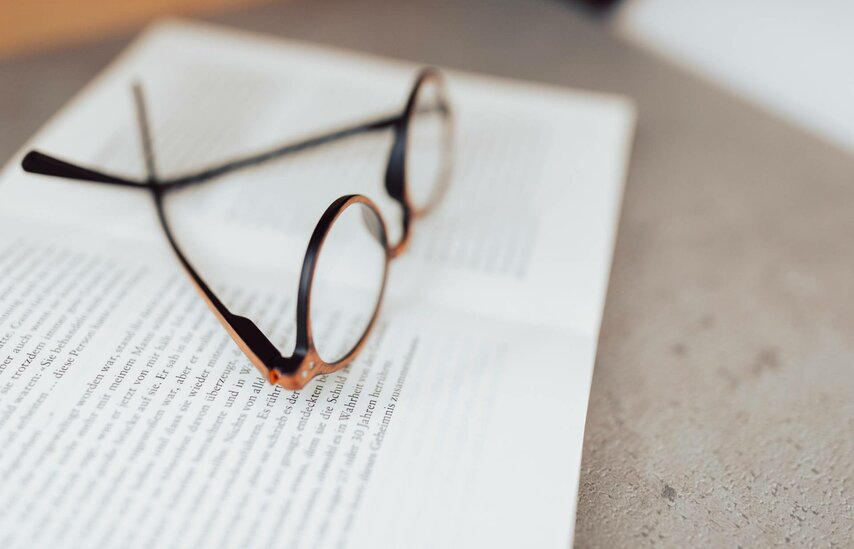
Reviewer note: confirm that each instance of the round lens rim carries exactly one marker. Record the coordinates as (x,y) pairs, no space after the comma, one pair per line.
(395,177)
(311,363)
(435,77)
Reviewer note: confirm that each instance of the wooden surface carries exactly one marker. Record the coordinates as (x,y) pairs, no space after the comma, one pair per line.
(721,412)
(28,25)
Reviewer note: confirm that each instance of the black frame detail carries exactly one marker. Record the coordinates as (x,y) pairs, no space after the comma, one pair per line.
(294,371)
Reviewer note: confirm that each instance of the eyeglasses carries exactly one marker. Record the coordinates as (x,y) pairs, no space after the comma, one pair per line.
(350,238)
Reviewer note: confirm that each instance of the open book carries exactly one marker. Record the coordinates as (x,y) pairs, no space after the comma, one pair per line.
(129,418)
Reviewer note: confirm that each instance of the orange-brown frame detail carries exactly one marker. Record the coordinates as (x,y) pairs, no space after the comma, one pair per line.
(292,372)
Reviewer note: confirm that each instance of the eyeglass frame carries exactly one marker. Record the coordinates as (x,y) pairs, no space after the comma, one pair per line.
(295,371)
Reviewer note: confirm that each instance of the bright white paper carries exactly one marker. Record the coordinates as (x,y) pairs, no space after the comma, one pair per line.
(128,417)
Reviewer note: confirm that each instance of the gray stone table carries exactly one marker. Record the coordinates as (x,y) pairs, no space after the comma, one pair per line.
(722,408)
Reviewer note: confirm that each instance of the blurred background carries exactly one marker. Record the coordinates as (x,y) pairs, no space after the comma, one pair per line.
(40,24)
(792,57)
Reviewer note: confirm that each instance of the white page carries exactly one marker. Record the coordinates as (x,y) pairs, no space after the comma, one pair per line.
(488,361)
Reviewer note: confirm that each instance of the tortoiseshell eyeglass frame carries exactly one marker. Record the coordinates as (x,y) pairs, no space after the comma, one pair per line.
(294,371)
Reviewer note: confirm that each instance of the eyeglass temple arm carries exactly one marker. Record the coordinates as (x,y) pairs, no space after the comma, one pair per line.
(245,332)
(43,164)
(256,159)
(144,132)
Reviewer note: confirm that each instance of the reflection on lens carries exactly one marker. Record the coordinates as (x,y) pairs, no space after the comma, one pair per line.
(348,281)
(428,147)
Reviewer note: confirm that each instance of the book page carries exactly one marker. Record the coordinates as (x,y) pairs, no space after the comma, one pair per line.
(129,416)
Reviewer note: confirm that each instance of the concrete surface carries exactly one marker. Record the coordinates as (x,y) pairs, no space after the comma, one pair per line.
(721,412)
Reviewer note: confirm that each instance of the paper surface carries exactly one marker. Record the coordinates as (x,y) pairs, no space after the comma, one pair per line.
(129,418)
